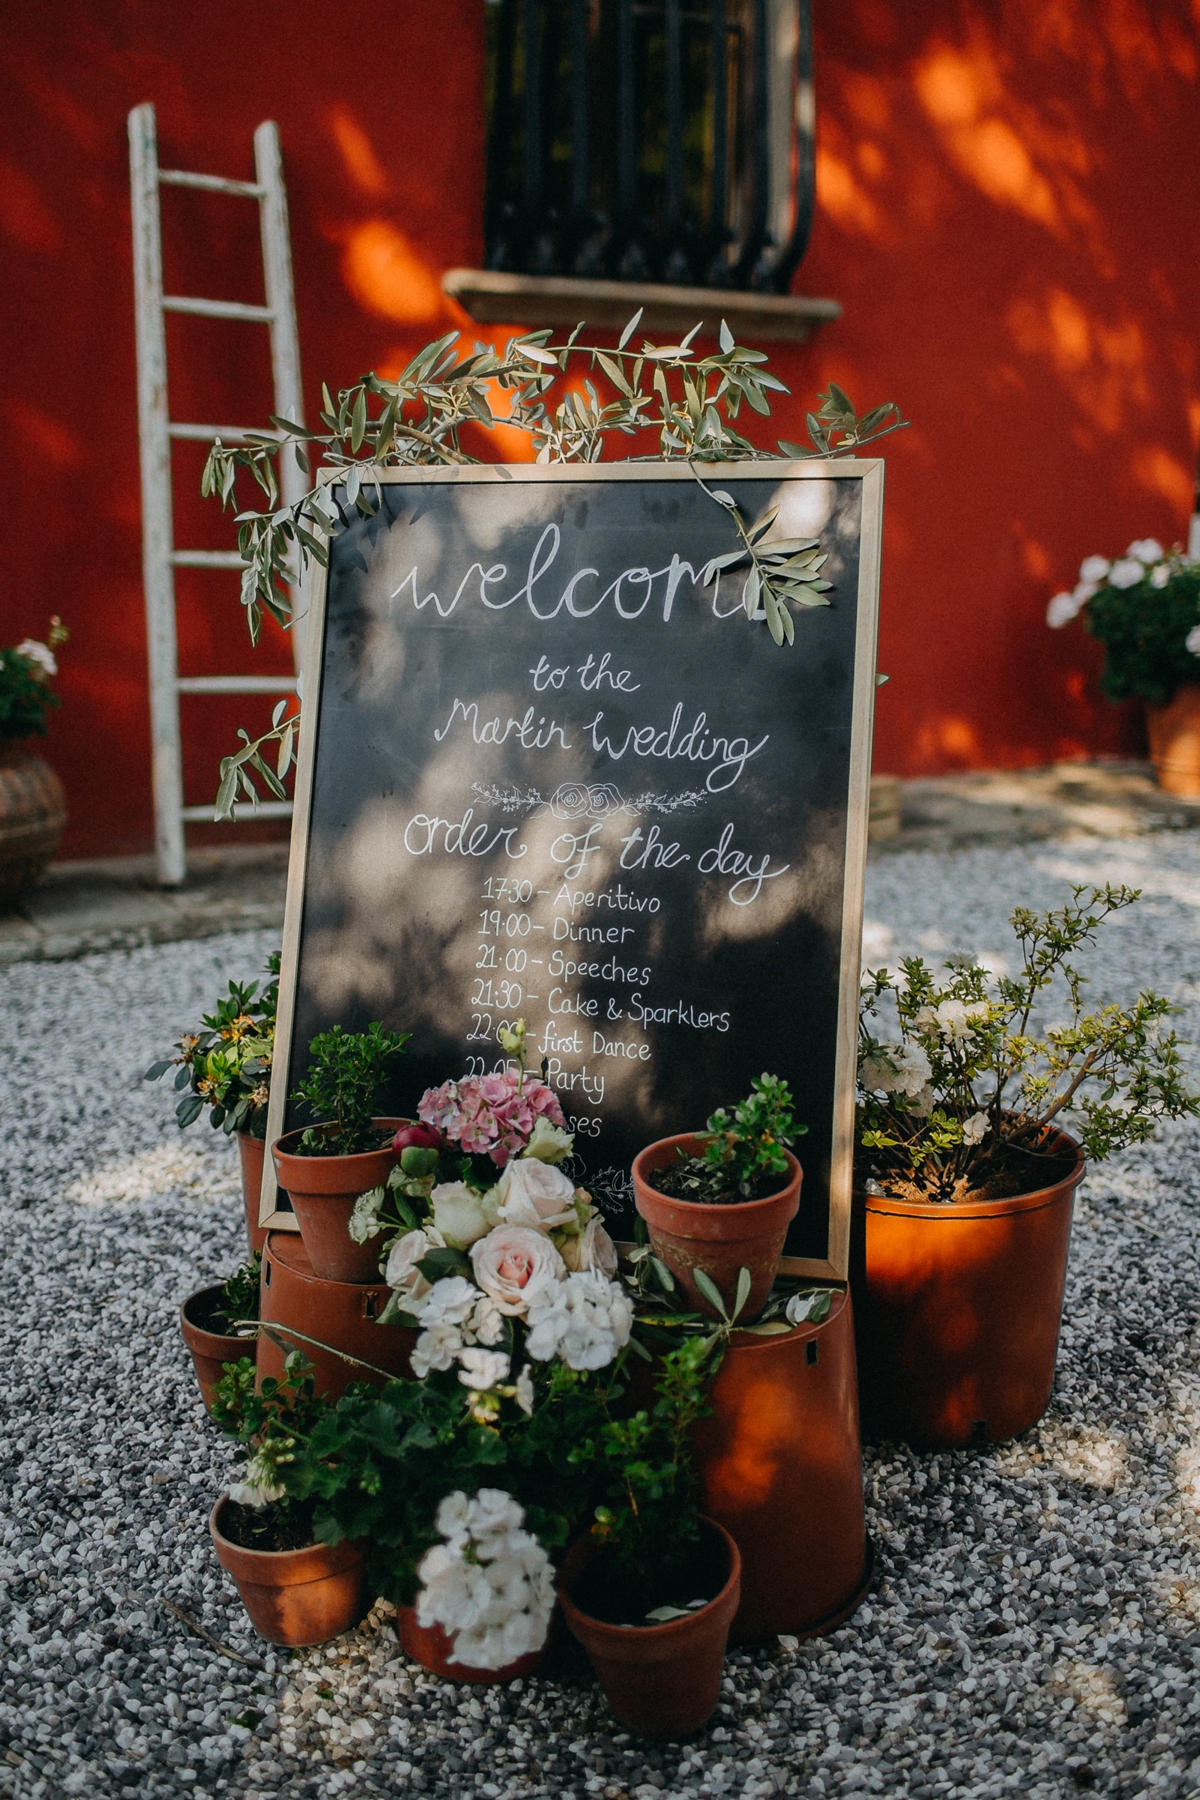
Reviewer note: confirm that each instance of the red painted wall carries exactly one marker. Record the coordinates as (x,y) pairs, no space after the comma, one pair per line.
(1008,211)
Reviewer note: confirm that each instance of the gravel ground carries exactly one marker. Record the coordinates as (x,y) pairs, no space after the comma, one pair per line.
(1034,1622)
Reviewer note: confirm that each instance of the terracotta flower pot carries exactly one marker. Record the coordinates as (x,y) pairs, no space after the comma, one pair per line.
(323,1190)
(1174,733)
(33,811)
(294,1597)
(781,1469)
(250,1155)
(957,1310)
(210,1350)
(430,1646)
(718,1239)
(662,1681)
(339,1313)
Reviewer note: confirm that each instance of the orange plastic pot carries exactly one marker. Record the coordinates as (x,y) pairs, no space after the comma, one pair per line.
(250,1155)
(957,1310)
(1174,733)
(210,1350)
(718,1239)
(294,1597)
(781,1469)
(662,1681)
(299,1306)
(323,1190)
(430,1646)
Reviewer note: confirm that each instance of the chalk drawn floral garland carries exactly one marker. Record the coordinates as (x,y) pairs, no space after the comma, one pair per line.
(584,800)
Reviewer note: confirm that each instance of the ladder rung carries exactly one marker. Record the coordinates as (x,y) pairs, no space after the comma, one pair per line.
(266,809)
(217,309)
(216,184)
(206,559)
(236,684)
(228,434)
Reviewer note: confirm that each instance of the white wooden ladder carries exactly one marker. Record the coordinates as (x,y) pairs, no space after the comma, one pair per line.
(160,557)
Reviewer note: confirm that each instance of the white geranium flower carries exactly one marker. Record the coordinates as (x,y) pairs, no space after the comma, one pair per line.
(1192,640)
(42,654)
(461,1215)
(1160,575)
(1061,610)
(490,1586)
(536,1194)
(450,1301)
(975,1128)
(364,1220)
(524,1395)
(1146,550)
(1093,568)
(548,1143)
(487,1321)
(258,1487)
(509,1259)
(585,1319)
(1126,573)
(402,1273)
(483,1369)
(592,1248)
(437,1348)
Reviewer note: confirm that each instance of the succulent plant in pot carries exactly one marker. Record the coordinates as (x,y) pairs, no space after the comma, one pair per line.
(225,1069)
(966,1170)
(217,1320)
(325,1166)
(722,1200)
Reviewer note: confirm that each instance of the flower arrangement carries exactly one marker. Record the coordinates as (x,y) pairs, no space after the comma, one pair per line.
(26,671)
(490,1585)
(963,1098)
(226,1066)
(1144,607)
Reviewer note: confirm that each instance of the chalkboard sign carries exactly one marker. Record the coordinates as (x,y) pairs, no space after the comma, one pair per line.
(545,773)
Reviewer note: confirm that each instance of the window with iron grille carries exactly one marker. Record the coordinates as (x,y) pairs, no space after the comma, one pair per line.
(663,141)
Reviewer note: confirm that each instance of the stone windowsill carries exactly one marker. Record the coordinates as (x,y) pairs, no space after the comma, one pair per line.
(496,299)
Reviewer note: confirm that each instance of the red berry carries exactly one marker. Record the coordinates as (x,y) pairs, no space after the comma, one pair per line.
(422,1137)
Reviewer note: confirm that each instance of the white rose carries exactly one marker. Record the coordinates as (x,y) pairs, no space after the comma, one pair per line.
(536,1194)
(549,1143)
(591,1249)
(462,1215)
(1061,610)
(1126,573)
(402,1272)
(1093,568)
(1147,550)
(509,1258)
(482,1369)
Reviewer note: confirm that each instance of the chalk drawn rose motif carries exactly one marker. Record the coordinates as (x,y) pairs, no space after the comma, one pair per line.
(603,799)
(574,800)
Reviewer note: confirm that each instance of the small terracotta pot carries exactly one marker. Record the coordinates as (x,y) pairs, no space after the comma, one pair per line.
(294,1597)
(1174,733)
(323,1190)
(430,1646)
(250,1155)
(780,1468)
(662,1681)
(339,1313)
(210,1350)
(33,811)
(957,1310)
(718,1239)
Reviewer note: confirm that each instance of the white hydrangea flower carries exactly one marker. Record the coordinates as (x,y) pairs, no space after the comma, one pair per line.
(1146,550)
(1093,568)
(481,1370)
(490,1586)
(585,1319)
(1061,610)
(975,1128)
(1126,573)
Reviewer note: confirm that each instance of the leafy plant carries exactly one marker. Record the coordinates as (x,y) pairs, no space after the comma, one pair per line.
(226,1067)
(970,1095)
(1145,609)
(26,670)
(427,415)
(341,1086)
(744,1151)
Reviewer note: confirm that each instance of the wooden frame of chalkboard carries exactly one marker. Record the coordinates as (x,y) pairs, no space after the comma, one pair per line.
(475,716)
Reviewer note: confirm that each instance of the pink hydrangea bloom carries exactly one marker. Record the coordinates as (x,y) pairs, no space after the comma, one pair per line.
(490,1115)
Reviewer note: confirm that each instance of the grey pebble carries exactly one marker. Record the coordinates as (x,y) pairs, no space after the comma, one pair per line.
(1033,1628)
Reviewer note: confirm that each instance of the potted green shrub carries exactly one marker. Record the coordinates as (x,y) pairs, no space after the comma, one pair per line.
(325,1166)
(720,1201)
(296,1589)
(217,1320)
(966,1171)
(1144,607)
(33,808)
(225,1068)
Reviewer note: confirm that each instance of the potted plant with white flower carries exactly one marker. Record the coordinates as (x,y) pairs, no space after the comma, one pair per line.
(33,807)
(216,1322)
(1144,607)
(966,1170)
(225,1069)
